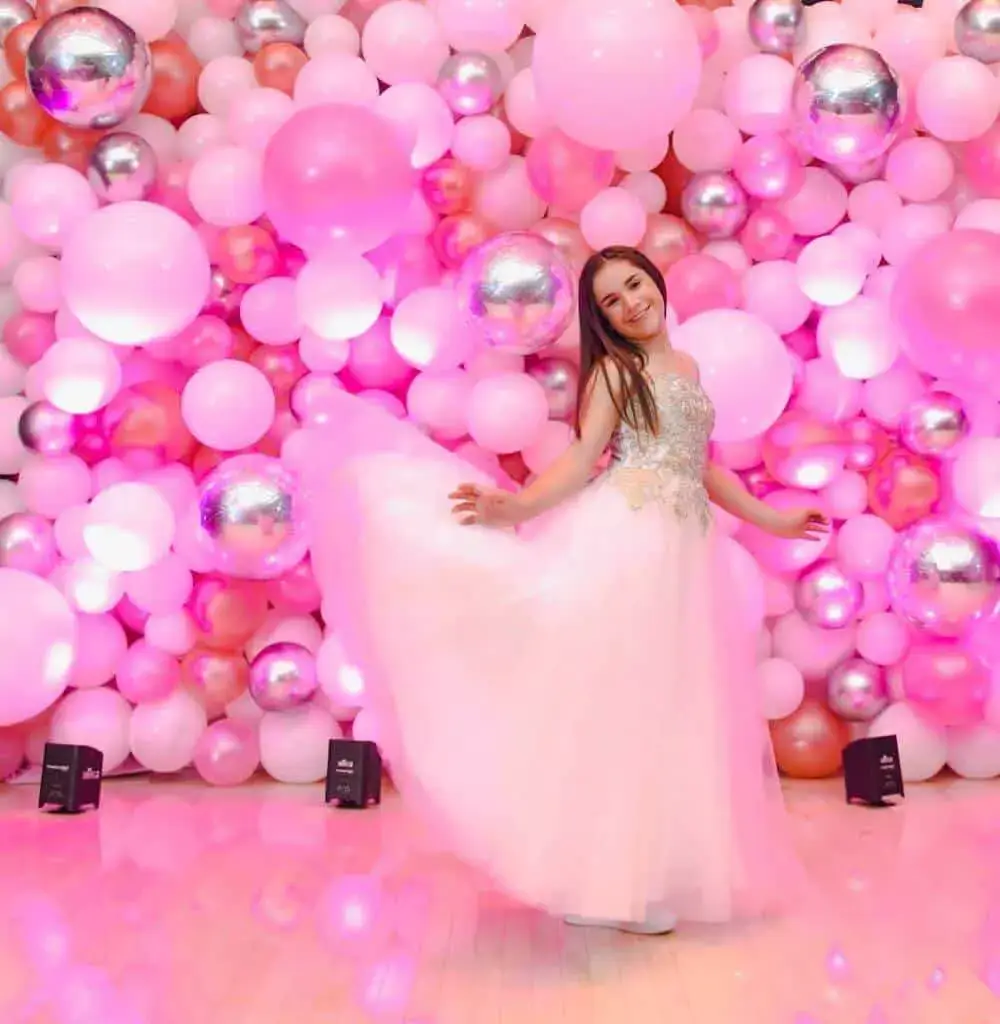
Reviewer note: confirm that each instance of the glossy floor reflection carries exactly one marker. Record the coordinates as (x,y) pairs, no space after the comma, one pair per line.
(179,904)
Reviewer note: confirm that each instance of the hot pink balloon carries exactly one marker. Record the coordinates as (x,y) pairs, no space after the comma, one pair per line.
(946,684)
(135,272)
(565,173)
(698,283)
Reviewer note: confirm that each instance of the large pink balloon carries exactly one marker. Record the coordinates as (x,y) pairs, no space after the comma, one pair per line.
(135,272)
(337,173)
(948,305)
(613,74)
(744,368)
(38,640)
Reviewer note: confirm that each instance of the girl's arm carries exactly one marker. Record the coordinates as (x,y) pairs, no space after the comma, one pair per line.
(572,470)
(728,492)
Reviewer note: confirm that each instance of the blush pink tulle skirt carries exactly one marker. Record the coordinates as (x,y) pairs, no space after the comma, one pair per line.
(575,704)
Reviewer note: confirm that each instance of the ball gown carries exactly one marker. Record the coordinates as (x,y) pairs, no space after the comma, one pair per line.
(572,702)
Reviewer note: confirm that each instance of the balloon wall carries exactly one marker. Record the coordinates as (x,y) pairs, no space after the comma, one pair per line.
(218,215)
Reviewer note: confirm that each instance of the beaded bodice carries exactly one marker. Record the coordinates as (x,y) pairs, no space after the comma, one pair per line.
(668,467)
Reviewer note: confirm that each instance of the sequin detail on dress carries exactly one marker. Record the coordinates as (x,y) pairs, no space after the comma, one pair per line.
(668,467)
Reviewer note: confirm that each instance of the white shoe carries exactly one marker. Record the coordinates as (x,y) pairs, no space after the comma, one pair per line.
(655,924)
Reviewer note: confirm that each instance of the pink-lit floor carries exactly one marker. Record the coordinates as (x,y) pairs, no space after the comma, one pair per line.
(179,904)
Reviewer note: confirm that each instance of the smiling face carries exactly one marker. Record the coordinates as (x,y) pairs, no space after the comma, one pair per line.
(629,300)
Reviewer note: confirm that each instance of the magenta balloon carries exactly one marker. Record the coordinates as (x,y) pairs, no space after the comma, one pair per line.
(946,683)
(337,173)
(947,302)
(38,640)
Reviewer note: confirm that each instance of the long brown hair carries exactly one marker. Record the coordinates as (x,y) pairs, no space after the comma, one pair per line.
(601,344)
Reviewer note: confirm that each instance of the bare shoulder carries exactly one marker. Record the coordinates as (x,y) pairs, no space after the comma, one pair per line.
(607,377)
(689,365)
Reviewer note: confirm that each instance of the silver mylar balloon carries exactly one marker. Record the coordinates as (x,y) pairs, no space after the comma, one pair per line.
(857,690)
(12,14)
(259,22)
(847,104)
(122,168)
(88,69)
(977,30)
(826,597)
(47,430)
(560,379)
(776,26)
(944,577)
(518,290)
(283,676)
(934,424)
(470,83)
(251,514)
(714,204)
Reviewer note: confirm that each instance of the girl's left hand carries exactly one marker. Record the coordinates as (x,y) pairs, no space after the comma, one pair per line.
(801,524)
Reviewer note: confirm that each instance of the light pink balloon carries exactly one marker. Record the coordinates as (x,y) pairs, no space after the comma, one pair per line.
(826,393)
(151,19)
(846,496)
(164,734)
(883,638)
(864,546)
(38,638)
(332,33)
(957,98)
(780,555)
(910,41)
(210,38)
(53,484)
(910,228)
(422,119)
(771,292)
(429,330)
(173,632)
(334,77)
(758,94)
(597,65)
(227,753)
(507,412)
(505,198)
(613,217)
(255,116)
(860,337)
(706,140)
(50,203)
(228,405)
(830,271)
(403,41)
(782,687)
(225,186)
(36,284)
(101,644)
(920,169)
(162,588)
(88,586)
(341,681)
(923,746)
(222,80)
(130,527)
(339,295)
(522,106)
(976,476)
(553,440)
(482,143)
(147,674)
(439,401)
(484,25)
(294,744)
(818,206)
(80,375)
(269,312)
(814,651)
(96,718)
(873,204)
(135,272)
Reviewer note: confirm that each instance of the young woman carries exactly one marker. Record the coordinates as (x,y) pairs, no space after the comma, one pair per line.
(574,700)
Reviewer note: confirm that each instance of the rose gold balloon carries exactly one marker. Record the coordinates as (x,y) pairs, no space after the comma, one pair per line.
(456,236)
(808,744)
(226,612)
(902,488)
(802,452)
(668,239)
(216,678)
(867,443)
(567,238)
(447,187)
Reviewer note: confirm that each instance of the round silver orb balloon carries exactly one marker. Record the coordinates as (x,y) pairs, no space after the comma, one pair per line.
(260,22)
(977,30)
(857,690)
(470,83)
(934,424)
(88,69)
(714,204)
(776,26)
(826,597)
(847,104)
(517,289)
(122,168)
(12,14)
(943,577)
(560,379)
(282,677)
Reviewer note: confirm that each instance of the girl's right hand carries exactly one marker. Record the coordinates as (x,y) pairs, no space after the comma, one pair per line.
(485,506)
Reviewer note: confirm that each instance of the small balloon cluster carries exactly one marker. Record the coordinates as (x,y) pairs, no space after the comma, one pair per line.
(218,215)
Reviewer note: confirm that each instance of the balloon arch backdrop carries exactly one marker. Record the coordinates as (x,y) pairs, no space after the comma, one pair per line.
(219,214)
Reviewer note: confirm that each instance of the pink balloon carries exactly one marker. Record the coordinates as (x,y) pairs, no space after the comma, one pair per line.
(846,496)
(135,272)
(439,401)
(945,683)
(12,751)
(225,186)
(505,198)
(706,140)
(101,644)
(777,554)
(129,527)
(429,330)
(864,545)
(758,94)
(507,412)
(817,206)
(403,41)
(782,686)
(335,77)
(698,283)
(253,119)
(767,235)
(50,203)
(339,295)
(227,753)
(883,638)
(222,80)
(269,312)
(768,167)
(164,734)
(912,228)
(830,271)
(744,368)
(482,143)
(228,405)
(147,673)
(920,169)
(553,440)
(53,484)
(423,121)
(151,19)
(771,291)
(826,393)
(337,173)
(36,284)
(976,476)
(957,98)
(485,25)
(96,718)
(294,744)
(596,67)
(38,637)
(173,632)
(522,106)
(860,337)
(873,204)
(613,217)
(80,375)
(332,33)
(565,173)
(813,650)
(162,588)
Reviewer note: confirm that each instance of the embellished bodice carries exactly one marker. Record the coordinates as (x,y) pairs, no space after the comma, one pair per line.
(669,466)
